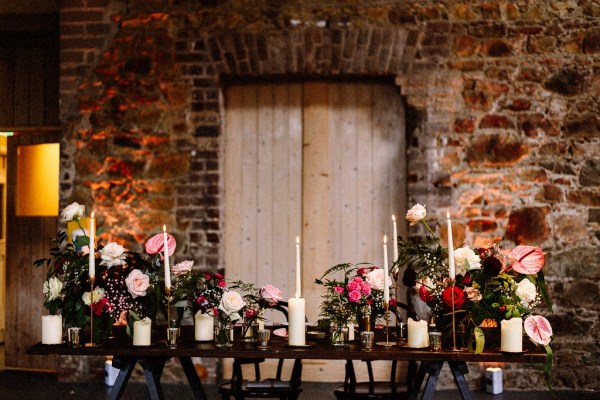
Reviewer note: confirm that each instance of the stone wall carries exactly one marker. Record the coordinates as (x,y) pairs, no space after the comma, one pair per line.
(502,121)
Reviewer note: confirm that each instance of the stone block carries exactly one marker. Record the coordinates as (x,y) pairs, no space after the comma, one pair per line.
(528,225)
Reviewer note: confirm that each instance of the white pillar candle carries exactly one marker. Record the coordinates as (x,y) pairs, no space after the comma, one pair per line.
(296,320)
(142,331)
(166,256)
(386,272)
(418,336)
(452,271)
(92,246)
(350,330)
(394,239)
(51,329)
(204,327)
(511,335)
(298,271)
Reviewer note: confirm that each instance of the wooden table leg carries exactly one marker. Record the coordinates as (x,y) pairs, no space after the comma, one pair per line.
(192,377)
(416,383)
(153,368)
(433,370)
(459,369)
(125,366)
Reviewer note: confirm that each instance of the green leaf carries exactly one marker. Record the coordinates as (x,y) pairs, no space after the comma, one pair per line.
(479,339)
(548,369)
(543,291)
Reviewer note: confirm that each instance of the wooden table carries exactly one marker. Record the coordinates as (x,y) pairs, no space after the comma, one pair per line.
(152,359)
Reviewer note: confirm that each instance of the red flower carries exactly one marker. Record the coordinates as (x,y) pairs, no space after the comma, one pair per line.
(222,283)
(362,271)
(459,297)
(207,276)
(424,294)
(393,302)
(467,279)
(218,276)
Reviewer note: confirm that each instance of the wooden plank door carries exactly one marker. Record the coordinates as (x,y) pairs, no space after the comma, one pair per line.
(27,240)
(321,160)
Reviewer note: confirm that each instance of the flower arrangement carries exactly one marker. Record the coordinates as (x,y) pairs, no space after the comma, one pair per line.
(359,294)
(198,291)
(257,301)
(491,284)
(125,282)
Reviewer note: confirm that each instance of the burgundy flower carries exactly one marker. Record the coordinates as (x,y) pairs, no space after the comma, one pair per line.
(409,279)
(393,303)
(467,279)
(425,295)
(459,297)
(362,271)
(491,266)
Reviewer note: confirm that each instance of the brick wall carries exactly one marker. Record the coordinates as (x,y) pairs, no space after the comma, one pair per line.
(502,115)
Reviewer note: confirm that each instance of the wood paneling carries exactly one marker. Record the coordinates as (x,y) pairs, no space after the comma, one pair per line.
(27,240)
(321,160)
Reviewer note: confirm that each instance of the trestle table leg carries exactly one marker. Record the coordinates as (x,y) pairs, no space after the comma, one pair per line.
(192,377)
(125,366)
(459,369)
(153,368)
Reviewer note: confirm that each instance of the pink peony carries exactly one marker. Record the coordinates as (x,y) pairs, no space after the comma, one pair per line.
(538,329)
(156,243)
(339,289)
(271,294)
(137,283)
(365,288)
(527,259)
(354,296)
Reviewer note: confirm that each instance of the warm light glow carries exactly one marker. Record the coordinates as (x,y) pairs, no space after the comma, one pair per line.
(489,323)
(384,239)
(37,180)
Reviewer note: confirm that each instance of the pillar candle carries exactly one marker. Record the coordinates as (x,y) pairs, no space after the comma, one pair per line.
(296,320)
(394,239)
(92,246)
(418,337)
(298,271)
(350,331)
(386,272)
(511,335)
(51,329)
(142,332)
(452,271)
(204,327)
(166,256)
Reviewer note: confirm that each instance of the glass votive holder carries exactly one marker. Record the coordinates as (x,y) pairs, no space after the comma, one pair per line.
(172,337)
(367,340)
(401,332)
(435,341)
(263,336)
(74,336)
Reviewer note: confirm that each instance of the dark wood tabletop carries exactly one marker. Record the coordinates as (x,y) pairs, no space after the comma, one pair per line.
(315,349)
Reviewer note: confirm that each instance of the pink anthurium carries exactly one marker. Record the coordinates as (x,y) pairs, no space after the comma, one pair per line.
(538,329)
(527,259)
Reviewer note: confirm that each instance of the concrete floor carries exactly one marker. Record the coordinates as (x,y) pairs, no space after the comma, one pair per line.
(23,385)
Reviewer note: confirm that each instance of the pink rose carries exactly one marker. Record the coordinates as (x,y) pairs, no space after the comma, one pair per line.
(527,259)
(271,294)
(156,243)
(182,267)
(353,285)
(365,288)
(376,279)
(538,329)
(137,283)
(354,296)
(339,289)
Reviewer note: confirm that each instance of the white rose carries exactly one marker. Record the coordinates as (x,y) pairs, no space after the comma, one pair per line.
(473,294)
(416,214)
(137,283)
(99,294)
(71,211)
(231,302)
(52,288)
(376,280)
(112,254)
(465,259)
(526,292)
(182,267)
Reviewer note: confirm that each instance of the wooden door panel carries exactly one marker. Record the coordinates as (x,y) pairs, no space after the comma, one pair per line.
(27,240)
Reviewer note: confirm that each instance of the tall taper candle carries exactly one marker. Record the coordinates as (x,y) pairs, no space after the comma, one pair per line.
(298,270)
(386,272)
(452,271)
(92,246)
(394,239)
(166,255)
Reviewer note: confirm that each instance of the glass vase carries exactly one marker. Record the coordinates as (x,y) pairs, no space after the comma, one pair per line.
(339,336)
(223,333)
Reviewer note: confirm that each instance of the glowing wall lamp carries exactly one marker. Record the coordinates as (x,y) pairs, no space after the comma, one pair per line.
(37,180)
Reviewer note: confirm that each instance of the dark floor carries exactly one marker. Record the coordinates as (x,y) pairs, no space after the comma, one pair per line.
(22,385)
